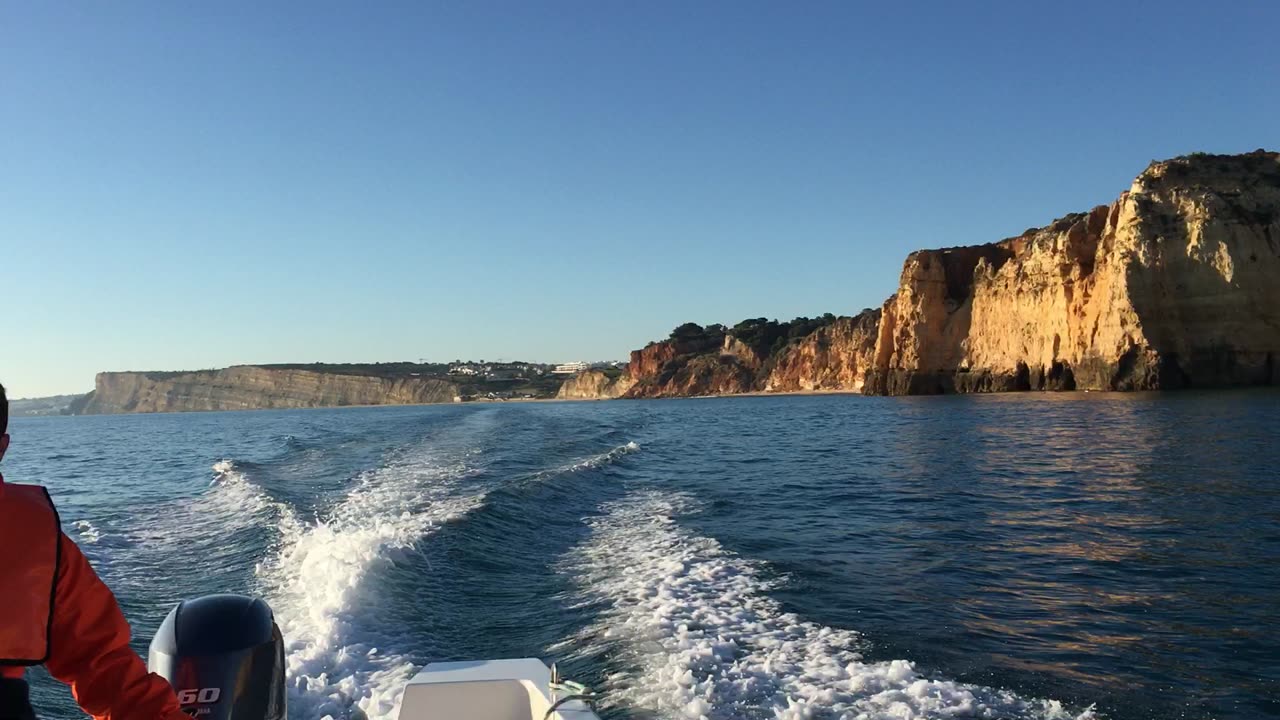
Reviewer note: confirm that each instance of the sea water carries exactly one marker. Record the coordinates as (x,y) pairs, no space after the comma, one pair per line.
(1017,556)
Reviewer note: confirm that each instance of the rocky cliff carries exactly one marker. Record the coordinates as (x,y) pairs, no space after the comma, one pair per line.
(248,387)
(594,385)
(713,365)
(755,355)
(835,357)
(1175,284)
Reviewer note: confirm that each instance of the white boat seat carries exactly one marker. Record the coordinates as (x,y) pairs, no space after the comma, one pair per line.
(487,690)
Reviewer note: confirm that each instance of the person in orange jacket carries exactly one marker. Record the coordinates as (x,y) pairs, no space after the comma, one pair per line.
(54,611)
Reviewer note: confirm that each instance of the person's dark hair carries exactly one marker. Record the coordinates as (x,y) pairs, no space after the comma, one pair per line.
(4,411)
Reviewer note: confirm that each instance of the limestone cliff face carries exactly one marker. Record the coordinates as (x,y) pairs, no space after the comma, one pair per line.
(1176,284)
(700,375)
(651,360)
(594,385)
(248,387)
(835,357)
(716,365)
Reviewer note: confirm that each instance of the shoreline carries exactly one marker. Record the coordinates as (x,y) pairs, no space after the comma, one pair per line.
(485,401)
(752,394)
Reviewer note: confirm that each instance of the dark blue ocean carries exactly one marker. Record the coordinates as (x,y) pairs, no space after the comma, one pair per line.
(1020,556)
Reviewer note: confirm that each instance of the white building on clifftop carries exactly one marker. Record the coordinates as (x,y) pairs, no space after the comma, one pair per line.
(570,368)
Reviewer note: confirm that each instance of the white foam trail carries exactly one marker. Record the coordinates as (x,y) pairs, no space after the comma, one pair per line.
(235,502)
(315,586)
(315,581)
(705,641)
(593,462)
(605,458)
(88,533)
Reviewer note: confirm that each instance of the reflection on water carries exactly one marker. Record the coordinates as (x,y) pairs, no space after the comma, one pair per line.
(1118,549)
(1066,496)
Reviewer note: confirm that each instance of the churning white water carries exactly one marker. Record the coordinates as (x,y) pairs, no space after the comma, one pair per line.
(706,642)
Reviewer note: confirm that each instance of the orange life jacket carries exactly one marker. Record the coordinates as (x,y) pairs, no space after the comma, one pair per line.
(30,540)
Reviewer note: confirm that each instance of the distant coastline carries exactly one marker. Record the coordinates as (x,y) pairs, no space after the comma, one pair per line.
(1174,285)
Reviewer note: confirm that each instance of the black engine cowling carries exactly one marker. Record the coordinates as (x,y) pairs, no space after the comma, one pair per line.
(224,656)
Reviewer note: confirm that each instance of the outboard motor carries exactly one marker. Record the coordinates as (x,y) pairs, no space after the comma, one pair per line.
(224,656)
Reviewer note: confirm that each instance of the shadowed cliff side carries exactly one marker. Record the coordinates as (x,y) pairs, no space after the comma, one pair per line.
(248,387)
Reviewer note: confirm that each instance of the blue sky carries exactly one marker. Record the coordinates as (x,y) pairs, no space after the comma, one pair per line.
(188,185)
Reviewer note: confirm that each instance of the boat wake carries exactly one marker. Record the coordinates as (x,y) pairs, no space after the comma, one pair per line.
(593,462)
(235,502)
(700,638)
(598,461)
(336,663)
(320,575)
(212,522)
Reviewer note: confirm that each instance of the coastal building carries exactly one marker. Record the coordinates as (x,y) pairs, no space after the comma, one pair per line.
(570,368)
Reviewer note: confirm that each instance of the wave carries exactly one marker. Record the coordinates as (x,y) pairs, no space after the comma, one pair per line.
(224,527)
(704,640)
(593,462)
(315,585)
(236,502)
(232,503)
(87,531)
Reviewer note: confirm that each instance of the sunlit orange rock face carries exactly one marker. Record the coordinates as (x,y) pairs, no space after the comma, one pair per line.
(836,357)
(675,368)
(594,385)
(1175,284)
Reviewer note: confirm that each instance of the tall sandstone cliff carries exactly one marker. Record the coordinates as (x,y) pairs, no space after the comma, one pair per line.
(594,385)
(247,387)
(1175,284)
(835,357)
(715,365)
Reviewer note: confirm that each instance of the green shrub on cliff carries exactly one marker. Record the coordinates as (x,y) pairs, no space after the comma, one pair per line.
(693,333)
(688,331)
(770,337)
(757,333)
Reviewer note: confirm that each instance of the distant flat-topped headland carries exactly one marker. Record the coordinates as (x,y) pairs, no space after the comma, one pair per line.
(254,387)
(246,387)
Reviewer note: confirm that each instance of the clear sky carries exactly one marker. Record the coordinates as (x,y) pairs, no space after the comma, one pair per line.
(189,185)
